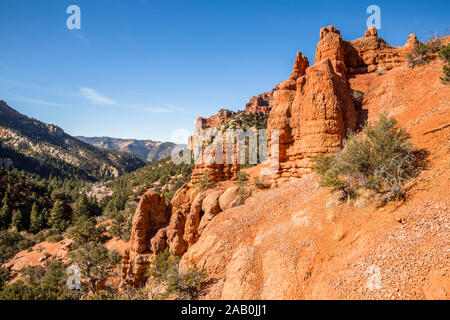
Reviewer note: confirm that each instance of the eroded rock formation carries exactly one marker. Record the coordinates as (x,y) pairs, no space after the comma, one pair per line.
(312,115)
(177,226)
(314,110)
(261,103)
(220,117)
(151,215)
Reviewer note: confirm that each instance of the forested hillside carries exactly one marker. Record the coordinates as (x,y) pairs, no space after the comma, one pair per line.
(46,149)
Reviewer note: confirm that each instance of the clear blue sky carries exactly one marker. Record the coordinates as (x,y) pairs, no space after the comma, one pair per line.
(143,68)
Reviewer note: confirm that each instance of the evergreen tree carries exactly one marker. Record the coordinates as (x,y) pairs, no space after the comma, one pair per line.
(96,263)
(56,219)
(118,225)
(84,230)
(16,220)
(45,217)
(5,213)
(81,207)
(36,219)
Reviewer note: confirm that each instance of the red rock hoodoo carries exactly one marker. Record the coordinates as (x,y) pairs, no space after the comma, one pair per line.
(314,110)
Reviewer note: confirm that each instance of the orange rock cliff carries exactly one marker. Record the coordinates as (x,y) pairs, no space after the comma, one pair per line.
(278,245)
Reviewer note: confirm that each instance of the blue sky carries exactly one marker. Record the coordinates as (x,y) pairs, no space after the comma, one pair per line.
(143,68)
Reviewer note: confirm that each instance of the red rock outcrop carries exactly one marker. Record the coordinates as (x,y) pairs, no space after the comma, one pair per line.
(212,122)
(151,215)
(332,47)
(216,171)
(214,156)
(298,242)
(178,226)
(261,103)
(300,65)
(367,54)
(314,109)
(312,116)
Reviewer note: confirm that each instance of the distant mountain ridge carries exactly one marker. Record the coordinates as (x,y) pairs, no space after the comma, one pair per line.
(45,149)
(145,149)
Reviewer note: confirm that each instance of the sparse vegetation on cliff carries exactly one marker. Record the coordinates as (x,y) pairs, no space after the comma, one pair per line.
(46,282)
(166,279)
(419,56)
(164,176)
(381,159)
(96,264)
(261,182)
(444,54)
(205,182)
(242,184)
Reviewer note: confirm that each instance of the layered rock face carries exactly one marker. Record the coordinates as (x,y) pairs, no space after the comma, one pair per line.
(362,55)
(314,110)
(312,116)
(216,157)
(212,122)
(177,226)
(151,215)
(261,103)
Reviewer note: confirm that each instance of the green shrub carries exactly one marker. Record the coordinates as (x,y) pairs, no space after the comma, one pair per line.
(261,183)
(445,78)
(12,242)
(189,284)
(121,225)
(242,184)
(164,273)
(46,282)
(84,230)
(444,54)
(380,159)
(5,276)
(419,56)
(163,267)
(205,182)
(54,238)
(96,263)
(434,41)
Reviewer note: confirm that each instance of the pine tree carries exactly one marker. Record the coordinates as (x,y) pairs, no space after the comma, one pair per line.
(36,219)
(56,219)
(17,220)
(81,207)
(5,213)
(84,230)
(45,217)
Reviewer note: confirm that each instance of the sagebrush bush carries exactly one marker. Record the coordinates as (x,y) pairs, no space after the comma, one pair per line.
(167,279)
(261,183)
(380,159)
(419,56)
(205,182)
(242,184)
(444,55)
(434,41)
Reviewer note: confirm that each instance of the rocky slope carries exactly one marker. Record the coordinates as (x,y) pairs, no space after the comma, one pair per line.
(296,241)
(145,149)
(299,242)
(42,148)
